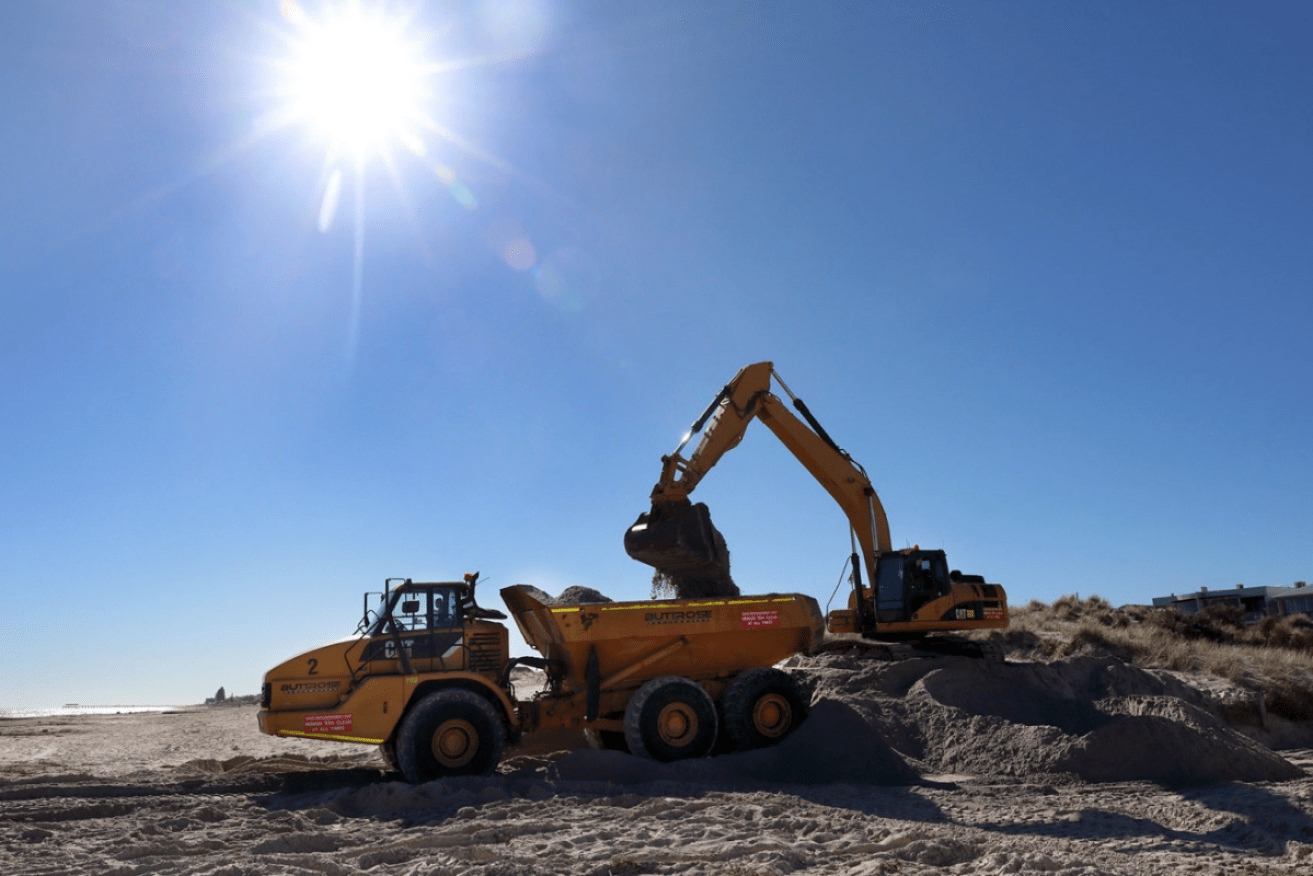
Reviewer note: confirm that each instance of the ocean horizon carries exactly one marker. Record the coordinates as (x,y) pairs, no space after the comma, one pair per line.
(71,709)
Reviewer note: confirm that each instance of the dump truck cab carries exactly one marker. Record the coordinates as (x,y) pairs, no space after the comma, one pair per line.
(411,637)
(432,627)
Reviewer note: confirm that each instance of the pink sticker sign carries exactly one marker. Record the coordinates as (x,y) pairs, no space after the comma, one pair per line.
(762,618)
(328,723)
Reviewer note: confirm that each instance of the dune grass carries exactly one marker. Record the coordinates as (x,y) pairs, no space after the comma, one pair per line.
(1274,657)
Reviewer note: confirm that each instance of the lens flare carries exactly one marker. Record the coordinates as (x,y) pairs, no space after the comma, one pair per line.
(328,207)
(358,76)
(358,79)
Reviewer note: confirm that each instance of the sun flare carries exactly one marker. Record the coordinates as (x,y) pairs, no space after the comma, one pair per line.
(357,78)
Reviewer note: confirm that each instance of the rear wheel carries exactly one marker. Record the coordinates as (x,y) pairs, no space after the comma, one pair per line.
(762,706)
(450,733)
(670,718)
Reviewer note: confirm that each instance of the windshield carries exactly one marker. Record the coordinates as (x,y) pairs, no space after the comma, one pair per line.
(890,584)
(417,609)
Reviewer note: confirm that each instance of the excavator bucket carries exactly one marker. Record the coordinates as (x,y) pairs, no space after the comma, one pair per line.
(680,542)
(673,538)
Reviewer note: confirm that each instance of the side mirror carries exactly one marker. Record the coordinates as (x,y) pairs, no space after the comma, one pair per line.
(410,606)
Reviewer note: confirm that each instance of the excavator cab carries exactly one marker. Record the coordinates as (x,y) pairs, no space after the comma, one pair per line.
(907,580)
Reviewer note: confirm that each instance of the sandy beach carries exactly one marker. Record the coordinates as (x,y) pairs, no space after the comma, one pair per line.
(919,766)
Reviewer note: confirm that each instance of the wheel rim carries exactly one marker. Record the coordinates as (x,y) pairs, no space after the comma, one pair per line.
(677,725)
(455,743)
(772,715)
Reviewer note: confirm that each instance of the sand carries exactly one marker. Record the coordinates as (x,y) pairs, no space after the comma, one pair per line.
(916,766)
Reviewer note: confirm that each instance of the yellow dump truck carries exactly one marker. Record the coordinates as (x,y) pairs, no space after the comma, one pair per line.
(428,676)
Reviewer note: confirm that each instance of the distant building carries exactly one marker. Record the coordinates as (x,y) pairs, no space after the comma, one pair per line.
(1256,602)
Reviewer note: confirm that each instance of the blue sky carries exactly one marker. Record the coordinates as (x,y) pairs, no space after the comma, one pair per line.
(1043,268)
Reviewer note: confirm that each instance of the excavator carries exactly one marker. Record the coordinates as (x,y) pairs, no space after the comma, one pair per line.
(905,594)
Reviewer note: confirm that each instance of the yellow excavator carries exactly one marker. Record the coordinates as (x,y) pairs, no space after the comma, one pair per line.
(906,594)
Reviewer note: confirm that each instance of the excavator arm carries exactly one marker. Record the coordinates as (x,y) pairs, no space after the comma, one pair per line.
(910,593)
(677,538)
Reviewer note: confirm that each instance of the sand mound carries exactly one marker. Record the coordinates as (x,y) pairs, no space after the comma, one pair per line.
(1093,719)
(978,688)
(289,763)
(573,595)
(577,595)
(834,745)
(1176,753)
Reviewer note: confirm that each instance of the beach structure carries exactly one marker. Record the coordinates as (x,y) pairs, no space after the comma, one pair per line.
(1256,602)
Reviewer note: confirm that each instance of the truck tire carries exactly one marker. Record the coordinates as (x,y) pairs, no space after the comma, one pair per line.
(670,718)
(762,706)
(450,733)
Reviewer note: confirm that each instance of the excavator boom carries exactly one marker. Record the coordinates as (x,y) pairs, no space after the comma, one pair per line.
(677,537)
(910,592)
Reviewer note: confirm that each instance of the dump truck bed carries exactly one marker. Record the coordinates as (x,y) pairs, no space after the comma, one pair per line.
(695,638)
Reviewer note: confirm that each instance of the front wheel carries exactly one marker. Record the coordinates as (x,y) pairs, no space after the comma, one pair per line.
(670,718)
(762,706)
(450,733)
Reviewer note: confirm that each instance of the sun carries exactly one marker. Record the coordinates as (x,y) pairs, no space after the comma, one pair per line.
(356,77)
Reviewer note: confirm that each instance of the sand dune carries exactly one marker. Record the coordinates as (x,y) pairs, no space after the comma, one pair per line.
(919,766)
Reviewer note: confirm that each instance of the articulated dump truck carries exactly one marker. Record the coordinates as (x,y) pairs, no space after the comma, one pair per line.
(428,677)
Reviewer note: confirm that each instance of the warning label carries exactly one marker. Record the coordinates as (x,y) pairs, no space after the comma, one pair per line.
(328,723)
(763,618)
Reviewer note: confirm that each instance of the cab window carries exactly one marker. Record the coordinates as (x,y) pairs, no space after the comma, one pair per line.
(412,612)
(446,608)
